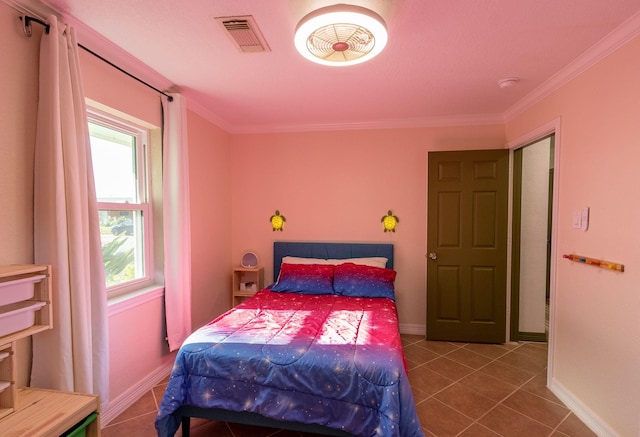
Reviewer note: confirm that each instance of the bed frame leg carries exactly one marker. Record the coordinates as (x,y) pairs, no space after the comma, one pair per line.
(186,425)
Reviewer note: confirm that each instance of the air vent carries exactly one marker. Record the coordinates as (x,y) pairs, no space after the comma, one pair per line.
(244,33)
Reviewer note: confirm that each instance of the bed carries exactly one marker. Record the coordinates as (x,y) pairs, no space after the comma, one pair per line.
(318,351)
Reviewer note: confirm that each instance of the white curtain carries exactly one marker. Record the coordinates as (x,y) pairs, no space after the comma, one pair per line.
(176,221)
(74,355)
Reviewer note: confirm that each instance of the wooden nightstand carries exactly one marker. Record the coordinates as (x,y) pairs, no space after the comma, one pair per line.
(245,283)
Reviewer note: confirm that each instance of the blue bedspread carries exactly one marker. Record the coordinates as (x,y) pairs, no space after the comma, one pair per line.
(323,359)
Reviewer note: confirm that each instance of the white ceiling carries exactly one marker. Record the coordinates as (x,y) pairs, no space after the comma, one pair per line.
(442,63)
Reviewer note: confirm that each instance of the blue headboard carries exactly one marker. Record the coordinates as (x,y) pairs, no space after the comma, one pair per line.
(329,251)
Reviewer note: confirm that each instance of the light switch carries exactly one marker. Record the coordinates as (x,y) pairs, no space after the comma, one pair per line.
(584,218)
(577,219)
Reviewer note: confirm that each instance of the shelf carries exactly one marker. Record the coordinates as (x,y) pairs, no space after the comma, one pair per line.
(25,310)
(21,269)
(41,292)
(7,379)
(43,412)
(607,265)
(30,411)
(245,275)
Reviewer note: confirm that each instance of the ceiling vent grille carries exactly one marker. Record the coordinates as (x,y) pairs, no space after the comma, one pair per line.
(244,33)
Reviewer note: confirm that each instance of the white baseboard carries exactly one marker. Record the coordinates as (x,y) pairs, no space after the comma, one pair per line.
(588,417)
(407,328)
(125,400)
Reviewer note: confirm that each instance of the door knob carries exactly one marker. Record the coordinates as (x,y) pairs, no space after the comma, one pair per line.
(433,255)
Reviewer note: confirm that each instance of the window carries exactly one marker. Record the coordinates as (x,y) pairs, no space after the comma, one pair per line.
(121,172)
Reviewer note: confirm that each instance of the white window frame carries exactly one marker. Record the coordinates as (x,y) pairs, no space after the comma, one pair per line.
(144,205)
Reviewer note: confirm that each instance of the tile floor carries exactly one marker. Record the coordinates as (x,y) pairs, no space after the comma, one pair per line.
(460,389)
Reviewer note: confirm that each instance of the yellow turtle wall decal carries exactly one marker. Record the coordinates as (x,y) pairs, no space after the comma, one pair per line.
(277,221)
(389,222)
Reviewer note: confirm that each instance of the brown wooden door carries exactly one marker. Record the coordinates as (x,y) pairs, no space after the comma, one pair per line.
(467,245)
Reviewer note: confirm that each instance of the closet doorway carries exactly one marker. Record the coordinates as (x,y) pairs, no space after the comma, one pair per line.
(533,167)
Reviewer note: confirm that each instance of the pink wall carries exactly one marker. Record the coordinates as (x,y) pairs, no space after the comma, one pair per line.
(18,108)
(107,86)
(595,331)
(18,105)
(335,186)
(210,184)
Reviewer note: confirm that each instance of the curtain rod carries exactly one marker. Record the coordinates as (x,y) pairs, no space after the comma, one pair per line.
(26,20)
(126,72)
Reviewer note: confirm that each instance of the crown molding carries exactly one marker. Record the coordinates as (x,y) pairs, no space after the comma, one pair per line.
(32,8)
(409,123)
(624,33)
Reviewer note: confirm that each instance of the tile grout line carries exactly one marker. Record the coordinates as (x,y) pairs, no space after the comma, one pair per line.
(517,388)
(556,429)
(501,402)
(477,421)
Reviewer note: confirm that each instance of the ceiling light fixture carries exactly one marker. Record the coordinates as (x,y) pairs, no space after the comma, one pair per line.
(341,35)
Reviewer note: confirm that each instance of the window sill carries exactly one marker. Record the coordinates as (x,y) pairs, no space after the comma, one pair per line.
(131,300)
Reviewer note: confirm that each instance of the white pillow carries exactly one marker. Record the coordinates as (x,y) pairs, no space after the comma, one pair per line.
(297,260)
(376,261)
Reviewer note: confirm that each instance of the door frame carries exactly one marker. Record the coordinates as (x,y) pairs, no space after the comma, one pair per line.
(552,127)
(516,175)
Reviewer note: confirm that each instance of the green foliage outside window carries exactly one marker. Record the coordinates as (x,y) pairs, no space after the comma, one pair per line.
(118,264)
